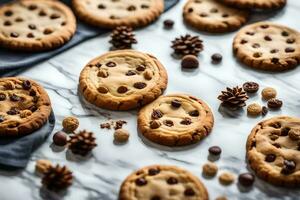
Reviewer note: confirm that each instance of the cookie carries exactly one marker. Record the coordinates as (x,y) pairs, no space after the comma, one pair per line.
(175,120)
(31,25)
(273,151)
(256,4)
(268,46)
(114,13)
(212,16)
(162,182)
(24,106)
(123,80)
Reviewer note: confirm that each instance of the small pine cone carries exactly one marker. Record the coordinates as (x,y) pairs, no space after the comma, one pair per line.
(122,37)
(82,143)
(234,98)
(187,45)
(57,178)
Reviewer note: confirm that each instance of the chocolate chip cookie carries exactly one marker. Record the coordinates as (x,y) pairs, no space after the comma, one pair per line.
(268,46)
(273,151)
(24,106)
(256,4)
(113,13)
(212,16)
(31,25)
(160,182)
(175,120)
(123,80)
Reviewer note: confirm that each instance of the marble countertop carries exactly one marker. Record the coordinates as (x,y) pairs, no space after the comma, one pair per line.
(100,176)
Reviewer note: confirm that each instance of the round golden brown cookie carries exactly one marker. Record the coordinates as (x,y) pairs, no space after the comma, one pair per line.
(256,4)
(113,13)
(123,80)
(212,16)
(268,46)
(273,151)
(31,25)
(24,106)
(164,183)
(175,120)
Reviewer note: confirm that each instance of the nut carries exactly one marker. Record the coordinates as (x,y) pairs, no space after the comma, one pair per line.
(42,166)
(226,178)
(121,135)
(268,93)
(210,169)
(70,124)
(294,134)
(148,75)
(254,109)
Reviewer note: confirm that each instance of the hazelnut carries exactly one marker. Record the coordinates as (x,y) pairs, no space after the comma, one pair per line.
(121,135)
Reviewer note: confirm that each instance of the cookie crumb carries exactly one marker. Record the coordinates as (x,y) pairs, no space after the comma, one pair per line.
(226,178)
(268,93)
(42,166)
(121,135)
(210,169)
(70,124)
(119,124)
(254,109)
(105,125)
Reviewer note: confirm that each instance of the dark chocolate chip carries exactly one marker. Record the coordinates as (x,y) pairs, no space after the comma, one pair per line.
(139,85)
(285,131)
(7,23)
(8,13)
(156,114)
(13,111)
(54,16)
(140,68)
(32,26)
(190,10)
(225,15)
(285,33)
(264,26)
(130,73)
(14,34)
(189,192)
(243,41)
(26,85)
(153,171)
(216,58)
(111,64)
(246,179)
(2,96)
(144,6)
(215,150)
(275,60)
(101,6)
(30,35)
(168,23)
(32,7)
(155,197)
(33,108)
(203,15)
(172,181)
(131,8)
(289,167)
(42,13)
(48,31)
(277,145)
(275,103)
(268,38)
(176,103)
(98,65)
(250,33)
(186,121)
(194,113)
(140,181)
(264,111)
(290,40)
(19,19)
(256,45)
(60,138)
(155,124)
(270,158)
(274,51)
(168,123)
(14,98)
(122,89)
(289,50)
(190,62)
(32,92)
(251,87)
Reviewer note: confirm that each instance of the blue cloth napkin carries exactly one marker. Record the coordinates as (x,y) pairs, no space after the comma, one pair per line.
(12,62)
(16,152)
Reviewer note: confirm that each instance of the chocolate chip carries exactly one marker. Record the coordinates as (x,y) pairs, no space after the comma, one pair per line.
(7,23)
(172,181)
(54,16)
(60,138)
(140,68)
(290,40)
(32,7)
(285,33)
(122,89)
(276,125)
(144,6)
(189,192)
(13,111)
(32,26)
(264,111)
(168,23)
(275,60)
(257,54)
(1,119)
(156,114)
(130,73)
(155,124)
(14,34)
(30,35)
(19,19)
(256,45)
(176,103)
(243,41)
(139,85)
(289,167)
(48,31)
(131,8)
(270,158)
(215,150)
(225,15)
(33,108)
(111,64)
(268,38)
(98,65)
(190,10)
(32,92)
(216,58)
(246,179)
(14,98)
(190,62)
(102,74)
(289,50)
(2,96)
(153,171)
(101,6)
(8,13)
(250,33)
(285,131)
(274,51)
(275,103)
(140,181)
(251,87)
(194,113)
(26,84)
(168,123)
(155,197)
(186,121)
(214,10)
(102,90)
(277,145)
(42,13)
(264,26)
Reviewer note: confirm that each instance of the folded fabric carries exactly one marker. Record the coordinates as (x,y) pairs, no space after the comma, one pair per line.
(16,152)
(11,62)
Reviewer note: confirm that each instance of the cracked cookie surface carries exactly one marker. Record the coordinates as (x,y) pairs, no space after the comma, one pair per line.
(164,183)
(273,151)
(212,16)
(268,46)
(123,80)
(24,106)
(30,25)
(175,120)
(256,4)
(113,13)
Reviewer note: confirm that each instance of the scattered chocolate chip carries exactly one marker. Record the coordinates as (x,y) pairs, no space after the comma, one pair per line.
(19,19)
(243,41)
(285,33)
(275,103)
(268,38)
(264,111)
(140,181)
(8,13)
(277,145)
(153,171)
(274,51)
(48,31)
(111,64)
(264,26)
(156,114)
(194,113)
(189,192)
(172,181)
(275,125)
(130,73)
(140,68)
(203,15)
(251,87)
(189,62)
(186,121)
(225,15)
(289,167)
(275,60)
(33,108)
(250,33)
(60,138)
(122,89)
(2,96)
(215,150)
(14,35)
(289,50)
(102,74)
(30,35)
(102,90)
(144,6)
(32,92)
(13,111)
(139,85)
(14,98)
(131,8)
(214,10)
(176,103)
(32,26)
(256,45)
(101,6)
(155,124)
(168,23)
(270,158)
(32,7)
(216,58)
(246,179)
(168,123)
(285,131)
(290,40)
(54,16)
(26,84)
(7,23)
(257,54)
(42,13)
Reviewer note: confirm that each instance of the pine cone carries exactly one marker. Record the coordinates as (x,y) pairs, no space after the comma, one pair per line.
(122,37)
(234,98)
(82,143)
(57,178)
(187,45)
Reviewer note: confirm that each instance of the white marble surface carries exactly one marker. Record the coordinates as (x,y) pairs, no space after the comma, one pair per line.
(100,176)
